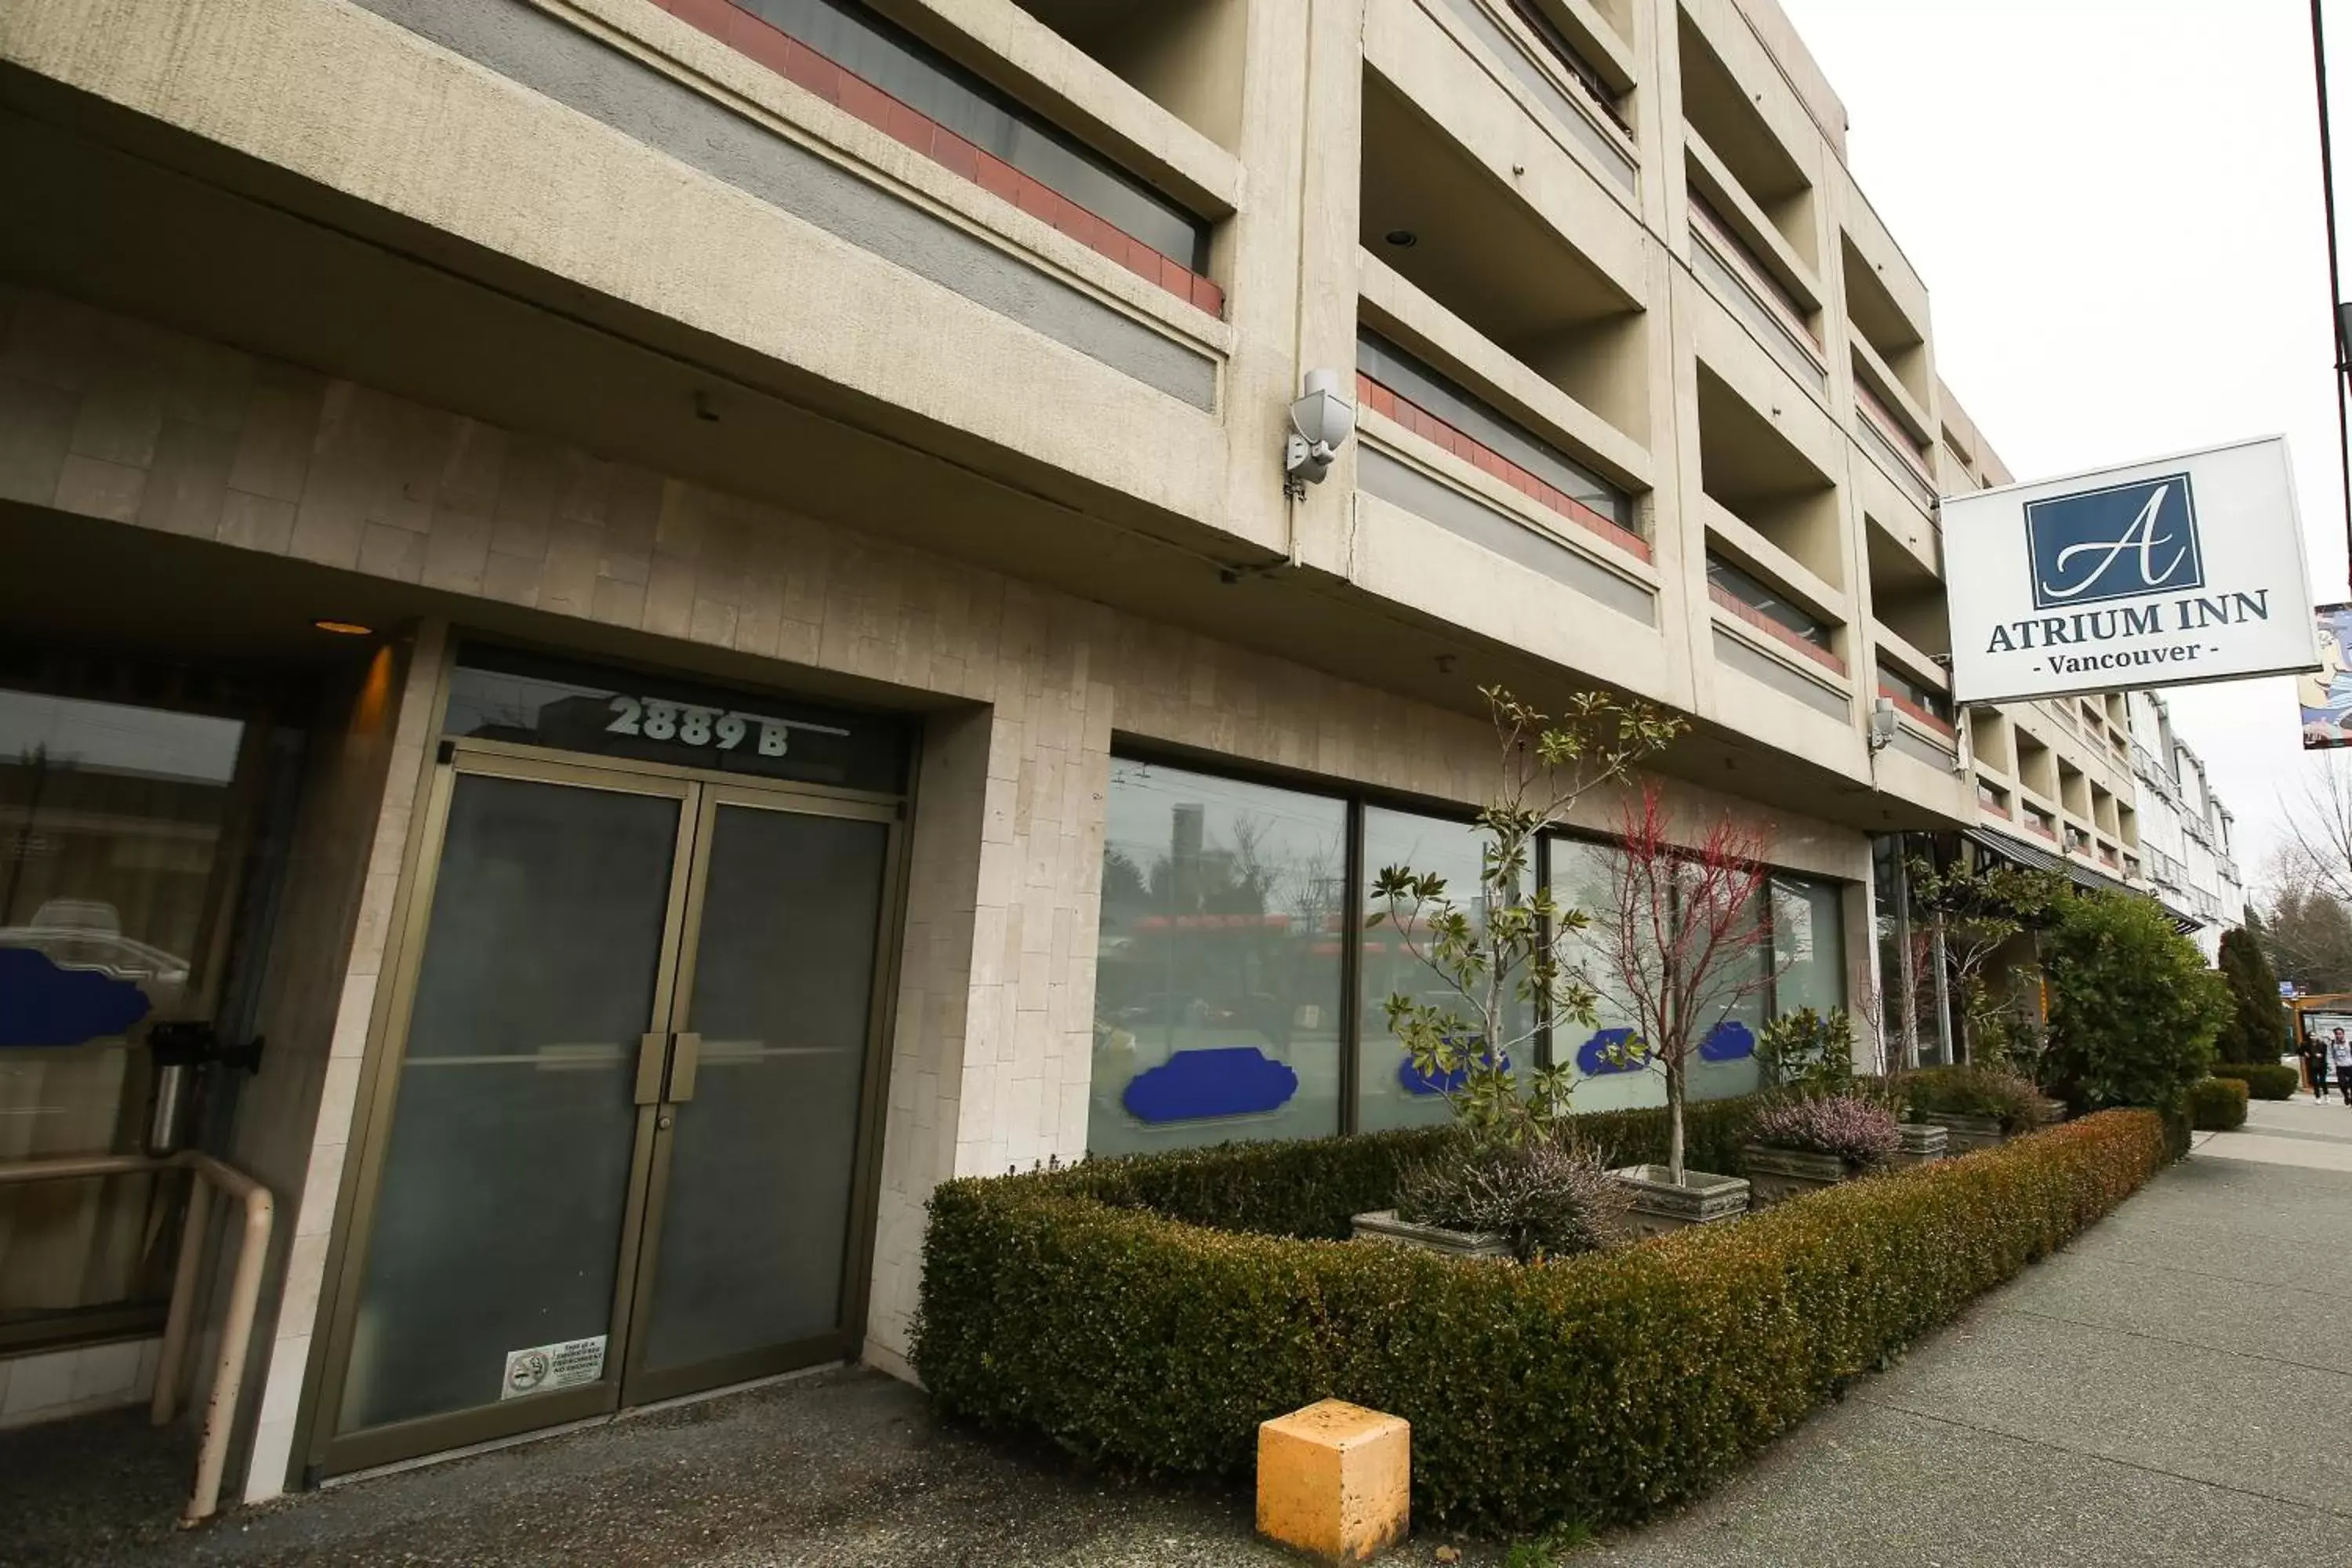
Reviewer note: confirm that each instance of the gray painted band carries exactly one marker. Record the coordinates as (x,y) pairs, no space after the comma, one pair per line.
(1729,650)
(1922,750)
(530,47)
(1463,514)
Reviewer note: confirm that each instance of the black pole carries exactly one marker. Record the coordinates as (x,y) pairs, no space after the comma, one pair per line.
(2335,269)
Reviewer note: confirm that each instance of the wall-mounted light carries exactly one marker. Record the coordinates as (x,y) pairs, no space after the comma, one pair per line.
(1320,423)
(1882,725)
(345,628)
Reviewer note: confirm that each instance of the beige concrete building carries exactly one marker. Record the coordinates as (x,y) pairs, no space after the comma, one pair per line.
(691,610)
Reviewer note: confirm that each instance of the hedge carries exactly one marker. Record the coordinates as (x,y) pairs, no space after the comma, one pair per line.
(2263,1081)
(2217,1105)
(1597,1389)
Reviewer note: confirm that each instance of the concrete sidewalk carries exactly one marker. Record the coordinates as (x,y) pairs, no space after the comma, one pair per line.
(2174,1388)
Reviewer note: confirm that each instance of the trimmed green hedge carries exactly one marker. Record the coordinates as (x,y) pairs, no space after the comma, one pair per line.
(2217,1105)
(2263,1081)
(1599,1388)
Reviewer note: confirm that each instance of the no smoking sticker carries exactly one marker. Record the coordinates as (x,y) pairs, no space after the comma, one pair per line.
(544,1368)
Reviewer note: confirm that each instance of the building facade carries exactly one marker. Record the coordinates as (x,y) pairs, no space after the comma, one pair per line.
(690,611)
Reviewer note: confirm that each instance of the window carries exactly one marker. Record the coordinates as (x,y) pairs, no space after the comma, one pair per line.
(1219,983)
(1230,937)
(1917,695)
(1389,1092)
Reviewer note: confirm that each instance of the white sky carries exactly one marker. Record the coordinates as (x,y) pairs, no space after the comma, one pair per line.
(2115,206)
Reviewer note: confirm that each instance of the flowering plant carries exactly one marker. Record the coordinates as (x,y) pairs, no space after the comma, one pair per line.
(1863,1134)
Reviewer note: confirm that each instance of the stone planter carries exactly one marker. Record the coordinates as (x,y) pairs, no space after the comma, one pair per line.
(1385,1226)
(1775,1176)
(1968,1133)
(1923,1142)
(1660,1206)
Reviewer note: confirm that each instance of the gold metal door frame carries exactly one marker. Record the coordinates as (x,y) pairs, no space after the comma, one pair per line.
(700,794)
(342,1451)
(638,1385)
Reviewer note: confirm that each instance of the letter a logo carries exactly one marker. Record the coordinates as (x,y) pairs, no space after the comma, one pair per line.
(2122,543)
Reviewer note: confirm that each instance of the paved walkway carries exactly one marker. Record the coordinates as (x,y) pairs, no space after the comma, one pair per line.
(2174,1388)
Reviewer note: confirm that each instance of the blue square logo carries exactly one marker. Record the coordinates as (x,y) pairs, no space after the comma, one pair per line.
(2125,542)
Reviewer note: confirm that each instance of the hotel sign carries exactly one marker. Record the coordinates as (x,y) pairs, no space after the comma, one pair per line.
(2164,573)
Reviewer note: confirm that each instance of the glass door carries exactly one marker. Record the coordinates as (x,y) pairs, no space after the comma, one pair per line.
(747,1251)
(626,1130)
(498,1251)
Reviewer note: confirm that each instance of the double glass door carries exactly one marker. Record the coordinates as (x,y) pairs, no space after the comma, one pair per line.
(628,1116)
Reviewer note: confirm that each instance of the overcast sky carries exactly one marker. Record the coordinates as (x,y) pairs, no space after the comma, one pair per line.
(2116,206)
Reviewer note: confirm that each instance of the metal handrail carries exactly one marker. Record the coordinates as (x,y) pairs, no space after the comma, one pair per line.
(244,1298)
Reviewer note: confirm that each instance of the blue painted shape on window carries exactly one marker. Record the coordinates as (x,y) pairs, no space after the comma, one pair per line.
(1413,1081)
(1605,1053)
(42,1005)
(1197,1085)
(1727,1042)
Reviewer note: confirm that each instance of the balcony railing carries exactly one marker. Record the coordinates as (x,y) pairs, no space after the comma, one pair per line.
(1399,387)
(2040,823)
(1885,434)
(850,57)
(1541,84)
(1787,635)
(1749,287)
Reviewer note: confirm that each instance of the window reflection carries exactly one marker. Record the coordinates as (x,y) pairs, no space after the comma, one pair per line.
(1389,1093)
(1219,980)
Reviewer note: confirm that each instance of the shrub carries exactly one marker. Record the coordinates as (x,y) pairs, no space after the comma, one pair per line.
(2003,1096)
(1857,1132)
(2263,1081)
(1599,1388)
(1551,1196)
(2132,1009)
(2217,1105)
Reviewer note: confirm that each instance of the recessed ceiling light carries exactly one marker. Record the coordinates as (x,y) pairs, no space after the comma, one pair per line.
(1403,238)
(344,628)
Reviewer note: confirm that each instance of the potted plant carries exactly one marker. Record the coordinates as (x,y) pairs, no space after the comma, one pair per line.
(1684,945)
(1802,1145)
(1978,1107)
(1547,1197)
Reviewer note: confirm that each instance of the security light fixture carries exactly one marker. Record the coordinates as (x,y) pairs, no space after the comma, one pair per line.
(1882,725)
(1320,423)
(344,628)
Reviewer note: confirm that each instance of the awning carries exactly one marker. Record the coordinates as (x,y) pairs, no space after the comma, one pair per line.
(2034,857)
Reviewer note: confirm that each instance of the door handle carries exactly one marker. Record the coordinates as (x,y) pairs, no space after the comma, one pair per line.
(685,1056)
(653,1055)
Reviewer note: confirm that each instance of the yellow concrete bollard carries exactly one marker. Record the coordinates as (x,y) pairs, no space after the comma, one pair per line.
(1334,1479)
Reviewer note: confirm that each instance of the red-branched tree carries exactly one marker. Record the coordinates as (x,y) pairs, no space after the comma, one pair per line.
(1684,940)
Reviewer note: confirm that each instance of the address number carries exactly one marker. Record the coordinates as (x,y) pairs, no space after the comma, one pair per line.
(658,720)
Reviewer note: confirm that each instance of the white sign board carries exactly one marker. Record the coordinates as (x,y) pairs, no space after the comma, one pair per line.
(542,1369)
(2164,573)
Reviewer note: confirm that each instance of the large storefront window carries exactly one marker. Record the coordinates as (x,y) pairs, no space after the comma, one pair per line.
(114,827)
(1389,1093)
(1230,934)
(1220,979)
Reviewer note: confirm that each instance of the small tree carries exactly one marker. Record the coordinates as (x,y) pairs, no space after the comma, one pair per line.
(1505,968)
(1684,943)
(2255,1030)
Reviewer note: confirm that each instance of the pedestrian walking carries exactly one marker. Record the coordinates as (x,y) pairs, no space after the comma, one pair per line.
(2315,1065)
(2339,1062)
